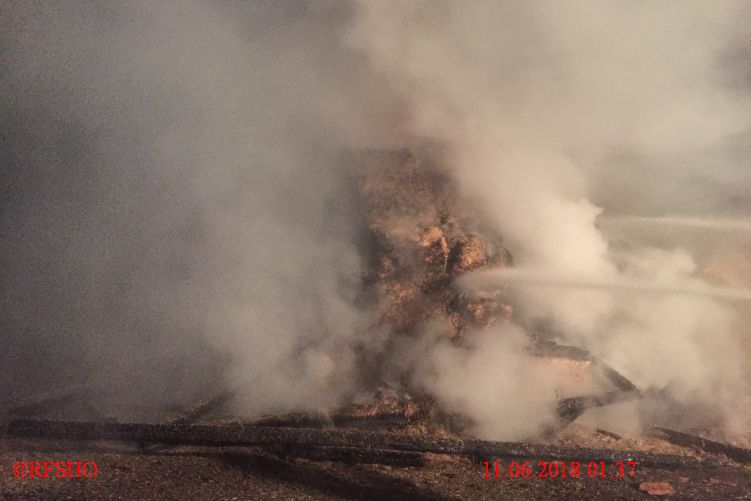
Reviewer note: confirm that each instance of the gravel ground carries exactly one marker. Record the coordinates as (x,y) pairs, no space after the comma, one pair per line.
(241,473)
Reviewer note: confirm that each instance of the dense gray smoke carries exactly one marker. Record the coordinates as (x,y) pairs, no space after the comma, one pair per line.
(173,201)
(175,213)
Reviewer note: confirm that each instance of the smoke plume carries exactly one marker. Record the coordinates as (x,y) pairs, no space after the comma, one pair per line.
(175,211)
(173,201)
(553,113)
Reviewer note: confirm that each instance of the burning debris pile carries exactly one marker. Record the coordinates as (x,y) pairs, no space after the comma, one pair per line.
(422,239)
(194,259)
(421,242)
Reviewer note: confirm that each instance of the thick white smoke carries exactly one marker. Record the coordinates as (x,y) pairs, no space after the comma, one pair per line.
(174,188)
(551,112)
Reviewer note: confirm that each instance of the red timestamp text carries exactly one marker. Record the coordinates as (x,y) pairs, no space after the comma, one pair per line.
(559,469)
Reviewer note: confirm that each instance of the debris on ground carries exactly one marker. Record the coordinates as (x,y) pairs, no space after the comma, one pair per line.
(657,488)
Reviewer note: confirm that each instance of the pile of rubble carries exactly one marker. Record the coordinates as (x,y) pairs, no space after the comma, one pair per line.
(421,241)
(422,238)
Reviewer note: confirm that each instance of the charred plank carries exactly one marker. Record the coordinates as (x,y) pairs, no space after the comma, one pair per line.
(687,440)
(196,412)
(352,455)
(192,415)
(609,434)
(373,421)
(49,401)
(569,409)
(552,349)
(619,380)
(239,434)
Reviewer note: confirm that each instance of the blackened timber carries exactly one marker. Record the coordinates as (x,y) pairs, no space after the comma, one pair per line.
(198,411)
(353,455)
(239,434)
(379,420)
(553,349)
(569,409)
(609,434)
(619,380)
(53,400)
(192,415)
(687,440)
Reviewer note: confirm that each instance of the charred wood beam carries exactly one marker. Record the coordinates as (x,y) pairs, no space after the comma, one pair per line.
(191,415)
(374,421)
(687,440)
(553,349)
(341,419)
(609,434)
(380,420)
(619,380)
(196,412)
(569,409)
(50,401)
(240,434)
(352,455)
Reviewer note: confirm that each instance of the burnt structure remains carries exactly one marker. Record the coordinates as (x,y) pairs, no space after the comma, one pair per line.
(421,239)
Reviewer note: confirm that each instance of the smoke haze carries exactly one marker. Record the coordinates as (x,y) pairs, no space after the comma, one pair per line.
(172,197)
(175,214)
(551,113)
